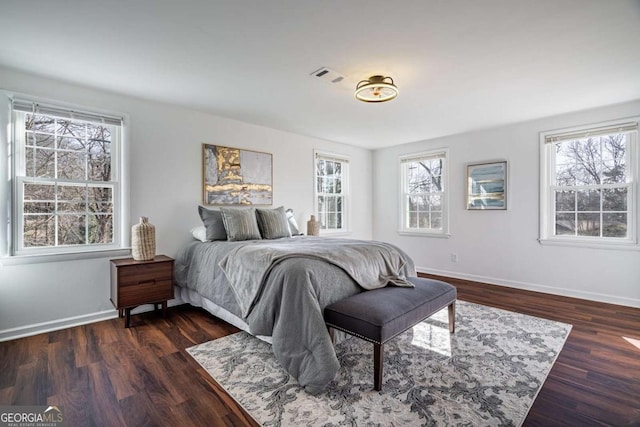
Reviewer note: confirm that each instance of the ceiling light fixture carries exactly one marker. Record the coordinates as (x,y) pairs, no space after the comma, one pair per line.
(376,89)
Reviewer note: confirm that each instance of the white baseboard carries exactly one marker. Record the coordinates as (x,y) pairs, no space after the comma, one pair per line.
(54,325)
(68,322)
(591,296)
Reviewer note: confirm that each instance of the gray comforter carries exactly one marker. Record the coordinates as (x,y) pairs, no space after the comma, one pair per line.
(284,286)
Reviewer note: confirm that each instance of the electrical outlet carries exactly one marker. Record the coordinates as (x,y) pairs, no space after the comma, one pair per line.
(454,257)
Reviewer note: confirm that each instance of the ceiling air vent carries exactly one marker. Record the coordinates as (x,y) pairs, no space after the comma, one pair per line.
(328,75)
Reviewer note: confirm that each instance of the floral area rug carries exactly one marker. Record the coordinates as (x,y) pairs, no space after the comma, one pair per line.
(488,373)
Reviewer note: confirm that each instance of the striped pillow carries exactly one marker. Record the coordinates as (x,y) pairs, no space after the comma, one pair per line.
(273,223)
(240,224)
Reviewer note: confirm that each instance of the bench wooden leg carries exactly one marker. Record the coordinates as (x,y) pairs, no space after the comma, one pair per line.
(452,317)
(378,356)
(332,335)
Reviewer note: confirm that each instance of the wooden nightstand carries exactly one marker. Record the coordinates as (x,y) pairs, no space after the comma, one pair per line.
(135,283)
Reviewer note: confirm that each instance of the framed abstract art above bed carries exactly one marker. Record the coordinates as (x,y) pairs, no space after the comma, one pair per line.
(233,176)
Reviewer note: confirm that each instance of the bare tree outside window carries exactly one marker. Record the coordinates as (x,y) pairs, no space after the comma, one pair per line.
(330,193)
(68,196)
(591,188)
(424,193)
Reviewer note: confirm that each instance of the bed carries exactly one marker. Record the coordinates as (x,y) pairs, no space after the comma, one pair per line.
(277,290)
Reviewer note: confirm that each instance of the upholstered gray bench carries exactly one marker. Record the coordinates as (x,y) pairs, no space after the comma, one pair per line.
(381,314)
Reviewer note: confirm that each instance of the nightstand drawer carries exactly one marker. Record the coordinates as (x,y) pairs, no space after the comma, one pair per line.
(146,292)
(143,273)
(135,283)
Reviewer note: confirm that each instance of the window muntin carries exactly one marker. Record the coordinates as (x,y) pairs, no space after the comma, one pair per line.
(589,193)
(331,188)
(424,197)
(66,192)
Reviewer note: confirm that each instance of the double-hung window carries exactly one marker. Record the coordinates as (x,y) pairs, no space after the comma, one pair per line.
(424,194)
(331,192)
(66,177)
(589,185)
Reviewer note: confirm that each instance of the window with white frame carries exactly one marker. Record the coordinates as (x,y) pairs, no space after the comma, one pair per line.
(424,193)
(331,191)
(589,184)
(65,172)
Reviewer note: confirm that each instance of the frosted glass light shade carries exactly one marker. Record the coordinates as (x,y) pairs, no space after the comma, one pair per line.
(376,89)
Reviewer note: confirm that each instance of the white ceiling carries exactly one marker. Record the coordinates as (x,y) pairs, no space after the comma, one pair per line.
(460,65)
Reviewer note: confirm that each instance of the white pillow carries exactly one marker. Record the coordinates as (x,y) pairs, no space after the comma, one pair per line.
(293,225)
(199,233)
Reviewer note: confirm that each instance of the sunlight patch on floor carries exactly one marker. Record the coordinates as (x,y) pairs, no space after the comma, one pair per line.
(632,341)
(434,336)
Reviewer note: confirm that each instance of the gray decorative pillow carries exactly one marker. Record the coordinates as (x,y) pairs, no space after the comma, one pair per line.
(273,223)
(212,221)
(240,224)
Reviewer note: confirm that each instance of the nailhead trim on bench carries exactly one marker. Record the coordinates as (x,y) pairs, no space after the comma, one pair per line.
(390,338)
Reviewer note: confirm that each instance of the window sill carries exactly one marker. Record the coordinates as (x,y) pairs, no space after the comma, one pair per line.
(627,246)
(325,233)
(58,257)
(424,234)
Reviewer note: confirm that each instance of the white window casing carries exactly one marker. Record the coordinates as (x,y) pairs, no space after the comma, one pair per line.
(79,196)
(424,194)
(589,186)
(331,192)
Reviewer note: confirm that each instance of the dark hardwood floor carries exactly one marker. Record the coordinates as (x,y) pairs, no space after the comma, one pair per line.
(106,375)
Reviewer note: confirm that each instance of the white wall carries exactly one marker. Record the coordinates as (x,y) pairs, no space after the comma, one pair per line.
(165,154)
(166,185)
(500,246)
